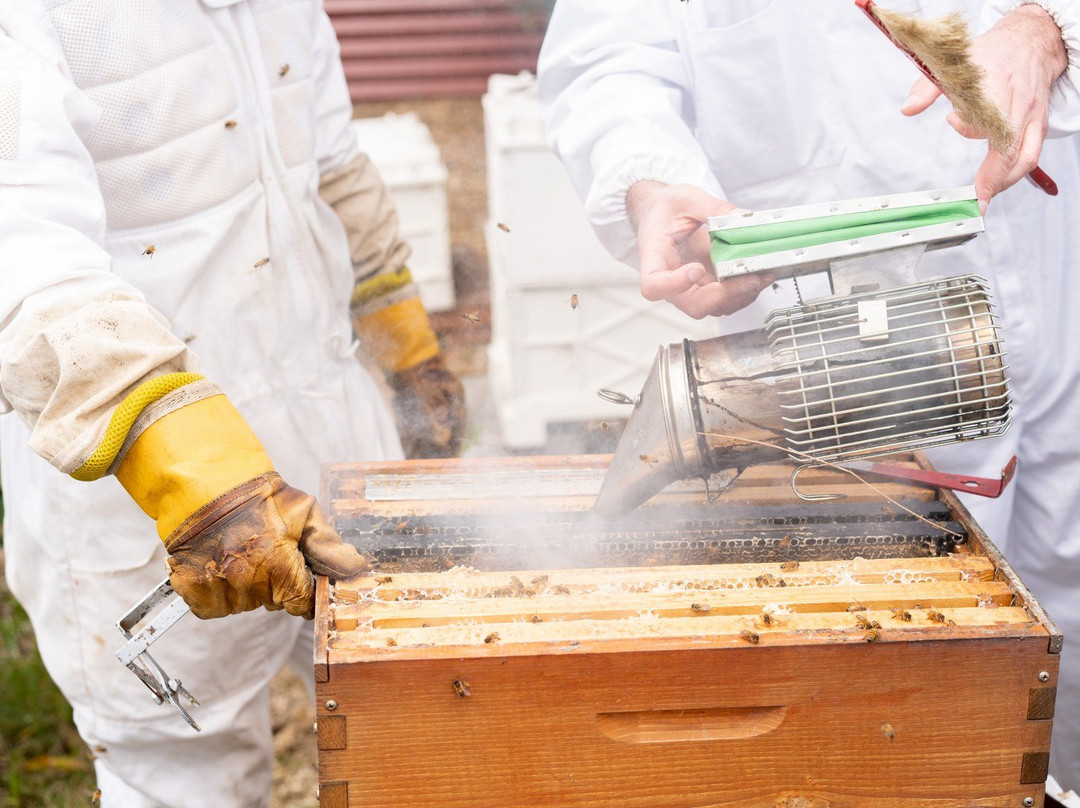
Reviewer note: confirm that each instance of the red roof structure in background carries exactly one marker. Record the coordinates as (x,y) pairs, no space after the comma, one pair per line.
(397,49)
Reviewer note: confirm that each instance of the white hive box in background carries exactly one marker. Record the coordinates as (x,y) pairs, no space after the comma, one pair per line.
(409,162)
(548,359)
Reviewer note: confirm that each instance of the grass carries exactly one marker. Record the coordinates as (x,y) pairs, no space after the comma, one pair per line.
(43,762)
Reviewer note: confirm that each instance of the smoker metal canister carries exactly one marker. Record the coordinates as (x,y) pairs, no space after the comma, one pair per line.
(814,386)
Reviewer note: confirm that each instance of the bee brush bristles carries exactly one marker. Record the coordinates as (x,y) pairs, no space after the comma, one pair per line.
(943,46)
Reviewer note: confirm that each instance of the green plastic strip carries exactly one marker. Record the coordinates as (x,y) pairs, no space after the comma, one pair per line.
(762,239)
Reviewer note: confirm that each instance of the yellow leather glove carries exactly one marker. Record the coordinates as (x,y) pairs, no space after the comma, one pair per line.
(429,400)
(238,536)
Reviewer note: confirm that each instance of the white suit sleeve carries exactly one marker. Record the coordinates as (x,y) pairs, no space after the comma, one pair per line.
(350,183)
(74,338)
(619,108)
(1065,95)
(335,141)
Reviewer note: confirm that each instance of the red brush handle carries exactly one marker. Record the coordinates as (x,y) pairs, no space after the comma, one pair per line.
(983,486)
(1037,176)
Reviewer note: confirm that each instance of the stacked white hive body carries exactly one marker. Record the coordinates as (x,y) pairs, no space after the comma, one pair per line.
(403,151)
(547,358)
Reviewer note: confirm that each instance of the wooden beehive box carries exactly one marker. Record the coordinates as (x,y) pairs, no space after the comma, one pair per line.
(752,651)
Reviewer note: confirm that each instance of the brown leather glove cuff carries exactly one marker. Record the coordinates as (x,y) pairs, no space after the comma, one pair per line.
(218,509)
(257,545)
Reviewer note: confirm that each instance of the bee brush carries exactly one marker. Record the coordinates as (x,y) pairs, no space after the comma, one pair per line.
(939,48)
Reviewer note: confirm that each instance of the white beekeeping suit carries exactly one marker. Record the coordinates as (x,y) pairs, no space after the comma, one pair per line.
(771,104)
(153,155)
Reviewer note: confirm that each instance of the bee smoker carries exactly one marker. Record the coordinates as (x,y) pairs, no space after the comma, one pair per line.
(887,364)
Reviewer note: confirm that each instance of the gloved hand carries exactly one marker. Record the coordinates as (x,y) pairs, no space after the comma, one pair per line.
(238,536)
(429,402)
(388,315)
(673,244)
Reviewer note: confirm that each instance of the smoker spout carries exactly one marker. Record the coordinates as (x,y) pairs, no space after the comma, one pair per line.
(707,406)
(659,444)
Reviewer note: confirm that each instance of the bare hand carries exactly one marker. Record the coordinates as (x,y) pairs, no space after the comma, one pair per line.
(1021,57)
(673,245)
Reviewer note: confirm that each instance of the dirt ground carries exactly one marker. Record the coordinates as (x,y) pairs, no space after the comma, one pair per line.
(292,716)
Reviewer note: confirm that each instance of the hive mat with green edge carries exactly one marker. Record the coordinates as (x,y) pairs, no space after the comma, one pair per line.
(753,240)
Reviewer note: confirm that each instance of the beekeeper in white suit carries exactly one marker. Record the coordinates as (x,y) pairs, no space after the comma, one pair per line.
(178,179)
(666,112)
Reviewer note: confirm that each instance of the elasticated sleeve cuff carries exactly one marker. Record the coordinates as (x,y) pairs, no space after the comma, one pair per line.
(1065,96)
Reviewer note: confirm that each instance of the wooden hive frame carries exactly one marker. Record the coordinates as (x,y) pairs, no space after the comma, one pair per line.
(915,681)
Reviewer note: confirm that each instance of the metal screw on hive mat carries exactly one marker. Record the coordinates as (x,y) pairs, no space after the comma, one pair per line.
(330,705)
(1029,801)
(1044,676)
(615,397)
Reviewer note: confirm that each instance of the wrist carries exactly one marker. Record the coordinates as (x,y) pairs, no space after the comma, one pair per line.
(399,336)
(191,457)
(1036,27)
(638,198)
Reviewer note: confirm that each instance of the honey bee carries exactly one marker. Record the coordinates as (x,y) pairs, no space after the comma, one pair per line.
(150,250)
(872,635)
(887,730)
(750,637)
(230,124)
(789,566)
(573,301)
(934,616)
(856,607)
(776,287)
(503,227)
(867,623)
(765,580)
(561,590)
(261,262)
(401,526)
(700,608)
(540,580)
(391,642)
(536,619)
(493,637)
(901,614)
(461,687)
(652,461)
(470,318)
(384,580)
(767,619)
(785,542)
(95,798)
(604,426)
(284,70)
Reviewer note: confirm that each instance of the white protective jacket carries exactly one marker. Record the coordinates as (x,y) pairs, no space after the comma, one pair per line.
(200,127)
(770,103)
